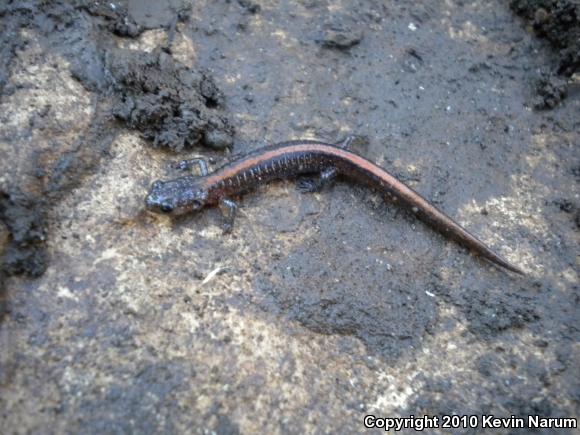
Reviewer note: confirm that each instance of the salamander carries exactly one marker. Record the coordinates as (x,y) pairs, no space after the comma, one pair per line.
(289,159)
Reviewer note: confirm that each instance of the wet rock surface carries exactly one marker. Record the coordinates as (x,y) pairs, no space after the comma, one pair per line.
(319,308)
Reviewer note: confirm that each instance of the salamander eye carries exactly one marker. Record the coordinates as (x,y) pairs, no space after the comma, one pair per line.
(166,208)
(196,204)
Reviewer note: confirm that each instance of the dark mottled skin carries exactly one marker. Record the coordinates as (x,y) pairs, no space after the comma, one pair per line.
(289,159)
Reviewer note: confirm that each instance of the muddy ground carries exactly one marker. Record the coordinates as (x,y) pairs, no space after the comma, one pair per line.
(318,309)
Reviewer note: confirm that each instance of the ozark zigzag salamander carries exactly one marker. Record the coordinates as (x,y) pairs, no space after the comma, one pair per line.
(288,159)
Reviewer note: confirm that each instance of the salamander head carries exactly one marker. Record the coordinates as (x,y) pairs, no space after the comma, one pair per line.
(175,197)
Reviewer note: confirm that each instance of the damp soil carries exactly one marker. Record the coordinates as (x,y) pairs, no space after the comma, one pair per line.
(558,22)
(170,104)
(319,308)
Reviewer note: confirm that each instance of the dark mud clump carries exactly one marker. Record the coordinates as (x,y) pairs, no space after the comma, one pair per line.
(250,6)
(23,218)
(10,41)
(115,17)
(172,105)
(550,90)
(130,19)
(169,103)
(558,21)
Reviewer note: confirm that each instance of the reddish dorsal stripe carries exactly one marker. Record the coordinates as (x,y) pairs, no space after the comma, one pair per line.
(388,184)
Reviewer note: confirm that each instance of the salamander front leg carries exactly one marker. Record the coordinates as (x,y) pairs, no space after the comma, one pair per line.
(314,185)
(186,165)
(228,209)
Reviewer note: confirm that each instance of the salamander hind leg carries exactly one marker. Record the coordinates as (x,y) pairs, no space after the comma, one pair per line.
(309,185)
(346,142)
(228,209)
(353,141)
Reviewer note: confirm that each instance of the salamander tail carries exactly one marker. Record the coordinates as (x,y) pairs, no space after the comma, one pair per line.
(497,259)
